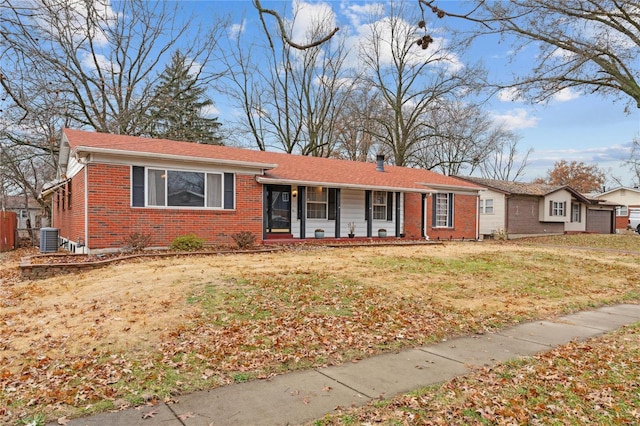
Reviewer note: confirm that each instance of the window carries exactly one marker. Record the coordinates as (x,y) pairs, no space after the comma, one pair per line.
(175,188)
(442,210)
(24,214)
(558,208)
(316,202)
(575,213)
(379,205)
(486,206)
(622,211)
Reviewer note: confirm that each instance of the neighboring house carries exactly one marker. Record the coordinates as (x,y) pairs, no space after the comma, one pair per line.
(626,198)
(26,209)
(111,186)
(525,209)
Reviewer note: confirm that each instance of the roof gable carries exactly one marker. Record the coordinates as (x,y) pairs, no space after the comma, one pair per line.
(618,189)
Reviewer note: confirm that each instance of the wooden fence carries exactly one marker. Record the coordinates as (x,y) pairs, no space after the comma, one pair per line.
(8,226)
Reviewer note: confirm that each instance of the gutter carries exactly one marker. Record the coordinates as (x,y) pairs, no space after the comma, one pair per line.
(272,181)
(467,189)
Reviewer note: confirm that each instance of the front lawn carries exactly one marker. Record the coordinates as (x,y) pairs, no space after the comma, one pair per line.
(152,329)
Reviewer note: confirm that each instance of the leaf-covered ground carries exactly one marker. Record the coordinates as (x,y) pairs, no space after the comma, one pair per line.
(152,329)
(596,382)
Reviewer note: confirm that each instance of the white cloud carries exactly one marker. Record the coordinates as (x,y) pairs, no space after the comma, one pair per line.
(101,61)
(437,54)
(74,13)
(195,68)
(308,18)
(359,15)
(236,30)
(210,111)
(565,95)
(518,118)
(510,94)
(563,54)
(598,154)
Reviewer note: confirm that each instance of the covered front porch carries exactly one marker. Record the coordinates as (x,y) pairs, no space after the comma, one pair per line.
(298,212)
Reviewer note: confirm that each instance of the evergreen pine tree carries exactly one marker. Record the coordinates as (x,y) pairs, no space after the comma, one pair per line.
(180,100)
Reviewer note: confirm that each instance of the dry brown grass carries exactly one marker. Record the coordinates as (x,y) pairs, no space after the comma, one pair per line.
(166,310)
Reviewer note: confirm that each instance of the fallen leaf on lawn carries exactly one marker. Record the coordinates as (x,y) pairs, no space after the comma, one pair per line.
(63,421)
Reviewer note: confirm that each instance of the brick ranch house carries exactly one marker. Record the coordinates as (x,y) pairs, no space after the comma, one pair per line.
(519,209)
(111,186)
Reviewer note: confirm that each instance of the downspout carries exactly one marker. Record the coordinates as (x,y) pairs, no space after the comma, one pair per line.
(424,216)
(398,221)
(478,217)
(85,249)
(338,209)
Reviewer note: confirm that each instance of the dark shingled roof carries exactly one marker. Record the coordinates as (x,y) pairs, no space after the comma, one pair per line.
(521,188)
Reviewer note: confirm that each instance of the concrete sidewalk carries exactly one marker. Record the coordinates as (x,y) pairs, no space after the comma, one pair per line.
(304,396)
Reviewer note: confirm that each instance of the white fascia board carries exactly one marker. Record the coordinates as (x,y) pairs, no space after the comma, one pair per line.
(73,167)
(272,181)
(82,151)
(63,155)
(455,188)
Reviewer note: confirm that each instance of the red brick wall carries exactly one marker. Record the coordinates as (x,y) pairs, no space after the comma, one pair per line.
(465,220)
(413,215)
(69,217)
(112,219)
(622,222)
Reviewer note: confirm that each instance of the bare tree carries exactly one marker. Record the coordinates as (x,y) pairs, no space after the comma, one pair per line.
(292,103)
(245,89)
(353,127)
(504,162)
(587,45)
(634,161)
(411,82)
(101,63)
(317,41)
(84,64)
(463,137)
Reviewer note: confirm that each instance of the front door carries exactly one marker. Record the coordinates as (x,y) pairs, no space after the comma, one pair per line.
(278,214)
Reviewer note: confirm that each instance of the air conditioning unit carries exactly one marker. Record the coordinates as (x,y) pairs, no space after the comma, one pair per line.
(48,240)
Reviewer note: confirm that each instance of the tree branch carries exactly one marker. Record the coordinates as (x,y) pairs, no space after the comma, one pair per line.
(262,11)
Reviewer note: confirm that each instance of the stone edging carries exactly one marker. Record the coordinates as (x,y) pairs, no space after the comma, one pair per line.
(34,271)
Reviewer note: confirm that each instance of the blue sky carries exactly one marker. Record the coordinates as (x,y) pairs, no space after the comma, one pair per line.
(584,128)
